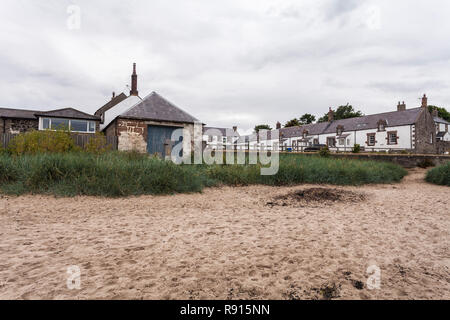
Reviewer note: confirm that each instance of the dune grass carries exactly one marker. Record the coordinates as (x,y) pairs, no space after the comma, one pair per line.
(117,174)
(439,175)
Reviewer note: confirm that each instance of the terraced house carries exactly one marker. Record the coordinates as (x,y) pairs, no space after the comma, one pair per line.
(415,130)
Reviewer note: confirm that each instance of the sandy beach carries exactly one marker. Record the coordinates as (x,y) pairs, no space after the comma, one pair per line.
(255,242)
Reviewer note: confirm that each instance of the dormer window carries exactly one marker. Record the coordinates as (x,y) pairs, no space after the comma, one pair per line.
(382,125)
(339,130)
(305,133)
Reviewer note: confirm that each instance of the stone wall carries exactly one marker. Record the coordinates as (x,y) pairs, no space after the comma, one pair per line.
(443,147)
(18,125)
(133,134)
(425,133)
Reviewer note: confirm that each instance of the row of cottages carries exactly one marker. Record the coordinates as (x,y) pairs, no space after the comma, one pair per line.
(146,124)
(415,130)
(224,138)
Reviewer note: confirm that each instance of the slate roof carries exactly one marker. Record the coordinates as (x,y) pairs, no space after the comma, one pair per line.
(440,120)
(68,113)
(394,118)
(155,107)
(17,114)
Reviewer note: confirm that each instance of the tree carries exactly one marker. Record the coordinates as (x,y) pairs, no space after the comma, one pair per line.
(292,123)
(307,119)
(442,112)
(262,127)
(343,112)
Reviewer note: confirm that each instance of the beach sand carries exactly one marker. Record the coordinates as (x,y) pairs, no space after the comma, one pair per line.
(230,243)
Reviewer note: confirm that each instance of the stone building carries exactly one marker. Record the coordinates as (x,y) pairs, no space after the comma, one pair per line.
(146,124)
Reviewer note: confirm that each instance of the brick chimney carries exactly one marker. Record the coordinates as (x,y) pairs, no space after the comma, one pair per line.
(278,125)
(424,101)
(330,115)
(134,90)
(113,95)
(401,106)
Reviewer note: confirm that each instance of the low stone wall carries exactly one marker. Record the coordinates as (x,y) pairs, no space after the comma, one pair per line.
(404,160)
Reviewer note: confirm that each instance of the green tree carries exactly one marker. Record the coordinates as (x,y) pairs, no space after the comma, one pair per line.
(262,127)
(442,112)
(292,123)
(343,112)
(307,119)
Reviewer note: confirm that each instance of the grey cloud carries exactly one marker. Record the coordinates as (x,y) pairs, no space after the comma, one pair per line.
(234,62)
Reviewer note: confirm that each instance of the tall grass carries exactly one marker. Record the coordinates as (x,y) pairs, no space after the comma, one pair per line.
(440,175)
(118,174)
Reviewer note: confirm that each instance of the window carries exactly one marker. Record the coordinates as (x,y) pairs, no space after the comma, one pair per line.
(371,141)
(46,123)
(392,137)
(59,124)
(331,142)
(431,140)
(339,130)
(224,139)
(381,125)
(341,142)
(68,124)
(316,141)
(78,125)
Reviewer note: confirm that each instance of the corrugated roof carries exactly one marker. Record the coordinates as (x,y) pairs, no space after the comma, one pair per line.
(68,113)
(17,113)
(155,107)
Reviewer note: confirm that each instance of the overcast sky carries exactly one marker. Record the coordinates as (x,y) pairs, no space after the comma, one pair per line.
(234,62)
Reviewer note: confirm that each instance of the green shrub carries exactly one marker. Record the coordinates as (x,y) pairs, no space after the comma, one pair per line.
(324,152)
(356,148)
(440,175)
(34,142)
(425,163)
(97,144)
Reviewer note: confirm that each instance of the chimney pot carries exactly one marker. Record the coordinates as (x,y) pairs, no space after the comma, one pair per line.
(401,106)
(330,115)
(424,101)
(235,128)
(134,90)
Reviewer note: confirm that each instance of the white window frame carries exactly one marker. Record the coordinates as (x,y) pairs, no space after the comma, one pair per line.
(88,122)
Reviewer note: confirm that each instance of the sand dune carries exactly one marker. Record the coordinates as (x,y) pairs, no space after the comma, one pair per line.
(227,243)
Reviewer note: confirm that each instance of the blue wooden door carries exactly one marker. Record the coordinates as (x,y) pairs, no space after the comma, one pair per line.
(157,138)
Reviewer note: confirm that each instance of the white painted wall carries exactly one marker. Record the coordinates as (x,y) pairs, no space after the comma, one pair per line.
(118,109)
